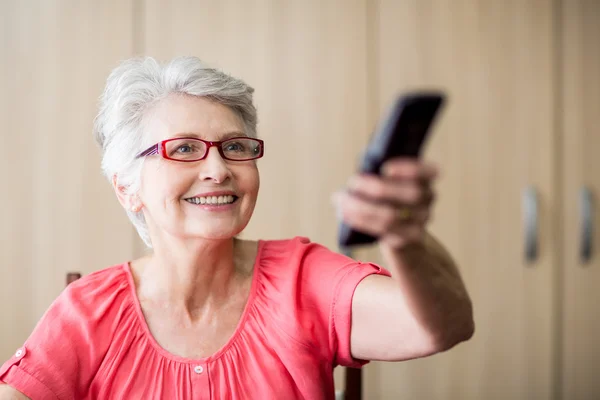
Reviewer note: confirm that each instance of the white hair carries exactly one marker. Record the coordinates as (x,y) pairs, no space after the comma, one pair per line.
(136,86)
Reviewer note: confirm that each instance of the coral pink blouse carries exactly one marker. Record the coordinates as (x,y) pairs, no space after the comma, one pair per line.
(93,342)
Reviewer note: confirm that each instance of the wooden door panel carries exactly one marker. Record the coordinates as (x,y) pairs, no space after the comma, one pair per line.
(494,139)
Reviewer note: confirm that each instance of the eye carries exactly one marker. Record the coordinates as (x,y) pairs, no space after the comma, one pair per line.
(234,146)
(185,148)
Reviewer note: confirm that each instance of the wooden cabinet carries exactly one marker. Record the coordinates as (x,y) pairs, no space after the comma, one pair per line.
(307,62)
(524,90)
(523,85)
(57,212)
(578,118)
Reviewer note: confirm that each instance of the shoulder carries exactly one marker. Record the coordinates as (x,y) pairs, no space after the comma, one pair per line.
(297,249)
(311,265)
(90,302)
(97,288)
(63,352)
(87,311)
(102,278)
(302,253)
(308,289)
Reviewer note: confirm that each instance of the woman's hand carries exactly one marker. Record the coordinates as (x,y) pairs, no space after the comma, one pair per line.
(395,206)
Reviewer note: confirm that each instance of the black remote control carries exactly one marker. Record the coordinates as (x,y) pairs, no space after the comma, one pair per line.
(401,134)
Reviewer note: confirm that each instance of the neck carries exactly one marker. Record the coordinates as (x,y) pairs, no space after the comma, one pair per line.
(192,276)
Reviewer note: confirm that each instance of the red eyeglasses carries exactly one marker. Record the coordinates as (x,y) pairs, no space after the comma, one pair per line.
(189,149)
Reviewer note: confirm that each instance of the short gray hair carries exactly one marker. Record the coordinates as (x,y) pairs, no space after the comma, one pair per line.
(137,85)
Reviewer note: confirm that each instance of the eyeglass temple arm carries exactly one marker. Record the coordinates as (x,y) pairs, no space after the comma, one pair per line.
(149,151)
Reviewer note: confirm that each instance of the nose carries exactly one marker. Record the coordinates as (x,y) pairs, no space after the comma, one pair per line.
(213,167)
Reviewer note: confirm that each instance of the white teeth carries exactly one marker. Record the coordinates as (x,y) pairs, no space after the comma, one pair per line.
(216,200)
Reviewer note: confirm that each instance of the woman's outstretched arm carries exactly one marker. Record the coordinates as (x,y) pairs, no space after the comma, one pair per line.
(9,393)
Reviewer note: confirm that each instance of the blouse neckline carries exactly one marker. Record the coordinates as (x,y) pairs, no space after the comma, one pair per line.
(141,320)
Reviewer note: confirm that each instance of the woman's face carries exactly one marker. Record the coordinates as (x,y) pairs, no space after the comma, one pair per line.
(170,189)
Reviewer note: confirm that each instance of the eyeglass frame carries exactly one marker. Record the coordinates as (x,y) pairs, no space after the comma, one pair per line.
(160,148)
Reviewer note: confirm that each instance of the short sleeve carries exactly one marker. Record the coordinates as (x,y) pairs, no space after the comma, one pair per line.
(330,280)
(59,358)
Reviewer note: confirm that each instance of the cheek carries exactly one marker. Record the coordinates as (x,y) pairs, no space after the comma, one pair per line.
(251,182)
(160,185)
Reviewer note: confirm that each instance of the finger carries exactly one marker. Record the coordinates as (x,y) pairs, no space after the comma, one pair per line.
(409,234)
(364,215)
(419,216)
(371,217)
(410,169)
(398,192)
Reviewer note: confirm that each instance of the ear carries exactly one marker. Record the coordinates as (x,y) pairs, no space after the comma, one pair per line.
(130,202)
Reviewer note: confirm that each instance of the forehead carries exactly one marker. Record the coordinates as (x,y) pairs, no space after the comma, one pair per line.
(197,116)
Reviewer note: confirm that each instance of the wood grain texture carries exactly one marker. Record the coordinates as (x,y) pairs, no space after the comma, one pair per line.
(523,86)
(58,212)
(307,62)
(580,107)
(494,139)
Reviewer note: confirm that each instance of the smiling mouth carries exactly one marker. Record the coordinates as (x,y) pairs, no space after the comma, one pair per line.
(213,200)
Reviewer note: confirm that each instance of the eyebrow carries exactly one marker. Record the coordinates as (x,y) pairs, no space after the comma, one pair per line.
(223,136)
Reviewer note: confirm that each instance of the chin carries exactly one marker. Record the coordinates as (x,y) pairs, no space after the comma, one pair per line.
(216,236)
(217,233)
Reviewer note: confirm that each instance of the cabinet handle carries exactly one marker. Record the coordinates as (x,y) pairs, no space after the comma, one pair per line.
(530,220)
(587,225)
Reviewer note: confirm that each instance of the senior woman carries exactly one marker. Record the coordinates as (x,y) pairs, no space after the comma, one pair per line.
(209,316)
